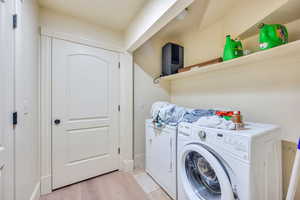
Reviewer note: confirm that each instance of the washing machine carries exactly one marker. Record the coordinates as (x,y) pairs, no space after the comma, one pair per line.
(216,164)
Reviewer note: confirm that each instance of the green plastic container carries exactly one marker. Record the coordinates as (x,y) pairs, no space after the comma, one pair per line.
(272,35)
(233,49)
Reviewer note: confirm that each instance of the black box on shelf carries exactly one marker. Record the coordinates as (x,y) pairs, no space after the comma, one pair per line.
(172,58)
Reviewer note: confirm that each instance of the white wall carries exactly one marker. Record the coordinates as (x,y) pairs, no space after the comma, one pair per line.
(126,116)
(266,92)
(53,21)
(147,66)
(146,93)
(26,91)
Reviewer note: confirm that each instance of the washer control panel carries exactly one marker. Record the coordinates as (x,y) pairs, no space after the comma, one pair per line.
(225,140)
(238,142)
(237,145)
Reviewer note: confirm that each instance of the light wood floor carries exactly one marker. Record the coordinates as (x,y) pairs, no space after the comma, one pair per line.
(113,186)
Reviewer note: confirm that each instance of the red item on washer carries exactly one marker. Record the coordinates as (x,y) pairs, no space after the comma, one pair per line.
(224,113)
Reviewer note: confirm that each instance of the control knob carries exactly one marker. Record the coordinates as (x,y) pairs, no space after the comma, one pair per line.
(202,135)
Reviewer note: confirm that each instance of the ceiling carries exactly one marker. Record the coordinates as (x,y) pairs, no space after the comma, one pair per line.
(216,10)
(201,14)
(114,14)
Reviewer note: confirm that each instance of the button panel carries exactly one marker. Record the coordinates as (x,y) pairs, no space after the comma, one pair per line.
(233,144)
(237,145)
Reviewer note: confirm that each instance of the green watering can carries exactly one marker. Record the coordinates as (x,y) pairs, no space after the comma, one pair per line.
(272,35)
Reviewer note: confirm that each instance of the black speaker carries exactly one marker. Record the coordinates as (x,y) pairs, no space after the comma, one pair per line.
(172,58)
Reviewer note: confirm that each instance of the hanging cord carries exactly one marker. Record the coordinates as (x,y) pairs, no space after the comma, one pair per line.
(156,80)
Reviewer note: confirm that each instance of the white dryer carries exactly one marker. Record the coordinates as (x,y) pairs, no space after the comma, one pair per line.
(216,164)
(161,156)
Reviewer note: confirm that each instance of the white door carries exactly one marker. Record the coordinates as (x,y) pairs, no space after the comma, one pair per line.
(85,99)
(6,100)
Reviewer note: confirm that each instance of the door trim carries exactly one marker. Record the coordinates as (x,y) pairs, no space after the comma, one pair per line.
(10,105)
(81,40)
(126,113)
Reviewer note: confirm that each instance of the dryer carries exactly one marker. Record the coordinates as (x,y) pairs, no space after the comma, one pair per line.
(161,155)
(216,164)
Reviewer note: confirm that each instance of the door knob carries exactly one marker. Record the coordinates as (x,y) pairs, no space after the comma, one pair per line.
(57,121)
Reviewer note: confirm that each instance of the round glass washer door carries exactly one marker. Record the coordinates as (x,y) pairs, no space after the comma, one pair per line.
(203,176)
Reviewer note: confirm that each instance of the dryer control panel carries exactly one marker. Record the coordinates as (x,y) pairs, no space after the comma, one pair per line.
(184,129)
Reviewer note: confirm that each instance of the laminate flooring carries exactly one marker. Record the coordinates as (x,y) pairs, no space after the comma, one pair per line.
(112,186)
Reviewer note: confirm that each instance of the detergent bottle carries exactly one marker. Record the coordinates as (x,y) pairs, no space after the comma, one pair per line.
(232,49)
(272,35)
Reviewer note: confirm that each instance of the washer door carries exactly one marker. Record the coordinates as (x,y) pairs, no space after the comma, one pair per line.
(202,175)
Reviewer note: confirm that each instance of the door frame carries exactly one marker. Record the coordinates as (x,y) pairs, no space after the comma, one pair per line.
(126,103)
(9,107)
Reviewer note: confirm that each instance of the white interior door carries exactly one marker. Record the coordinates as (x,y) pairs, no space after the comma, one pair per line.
(85,99)
(6,100)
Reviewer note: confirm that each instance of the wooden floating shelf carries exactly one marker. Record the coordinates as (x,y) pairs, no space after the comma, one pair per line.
(287,50)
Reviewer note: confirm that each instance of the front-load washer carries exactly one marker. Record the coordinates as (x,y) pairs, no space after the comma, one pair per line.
(216,164)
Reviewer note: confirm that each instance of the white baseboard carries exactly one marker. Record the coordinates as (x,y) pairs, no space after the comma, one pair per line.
(46,184)
(36,192)
(127,165)
(139,161)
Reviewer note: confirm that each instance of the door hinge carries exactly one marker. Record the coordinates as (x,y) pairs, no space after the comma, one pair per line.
(15,21)
(119,108)
(119,65)
(15,118)
(119,150)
